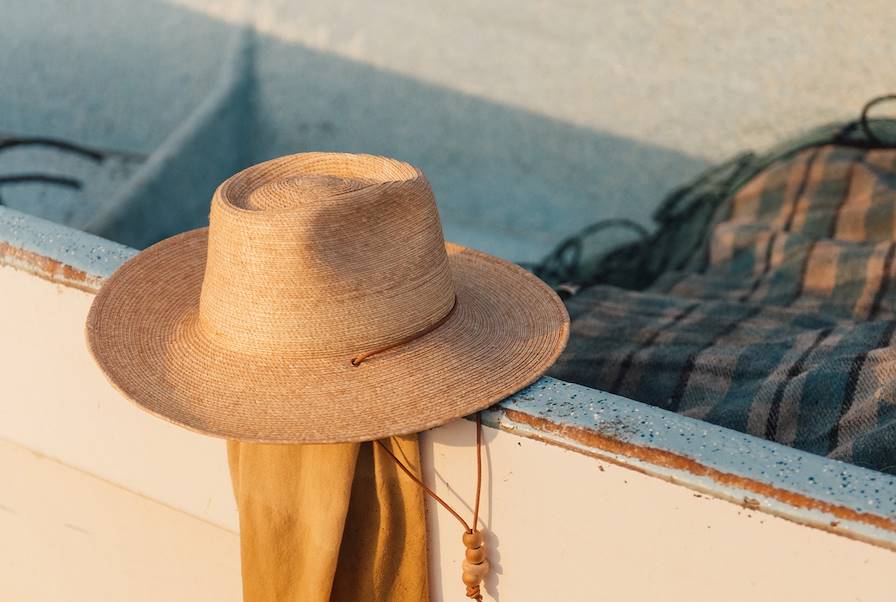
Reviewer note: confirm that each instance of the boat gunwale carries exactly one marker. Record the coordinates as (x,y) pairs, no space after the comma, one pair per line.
(760,475)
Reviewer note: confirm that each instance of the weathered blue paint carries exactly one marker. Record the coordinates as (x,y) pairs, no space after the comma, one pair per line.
(759,474)
(95,257)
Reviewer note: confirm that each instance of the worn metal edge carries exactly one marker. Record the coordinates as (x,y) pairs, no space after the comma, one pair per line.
(58,253)
(760,475)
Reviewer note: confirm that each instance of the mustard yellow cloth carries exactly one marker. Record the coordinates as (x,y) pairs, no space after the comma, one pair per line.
(330,522)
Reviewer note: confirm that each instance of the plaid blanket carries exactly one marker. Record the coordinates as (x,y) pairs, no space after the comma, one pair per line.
(781,326)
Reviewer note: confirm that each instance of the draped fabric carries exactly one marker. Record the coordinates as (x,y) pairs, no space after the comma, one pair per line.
(781,325)
(329,522)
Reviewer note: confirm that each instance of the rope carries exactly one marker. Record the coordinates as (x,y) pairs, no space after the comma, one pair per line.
(27,178)
(63,145)
(685,215)
(864,120)
(8,142)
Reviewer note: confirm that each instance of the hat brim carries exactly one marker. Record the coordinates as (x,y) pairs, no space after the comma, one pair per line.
(508,327)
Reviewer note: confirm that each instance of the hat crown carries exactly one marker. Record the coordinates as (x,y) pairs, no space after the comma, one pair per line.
(323,255)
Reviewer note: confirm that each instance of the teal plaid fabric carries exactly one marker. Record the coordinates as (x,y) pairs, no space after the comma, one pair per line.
(781,325)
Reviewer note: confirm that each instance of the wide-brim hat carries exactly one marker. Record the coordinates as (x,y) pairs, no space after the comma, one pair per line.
(321,304)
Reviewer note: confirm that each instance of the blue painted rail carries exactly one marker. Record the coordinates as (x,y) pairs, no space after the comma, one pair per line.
(758,474)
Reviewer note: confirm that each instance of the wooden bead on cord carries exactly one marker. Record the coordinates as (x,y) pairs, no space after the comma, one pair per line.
(473,539)
(476,555)
(475,565)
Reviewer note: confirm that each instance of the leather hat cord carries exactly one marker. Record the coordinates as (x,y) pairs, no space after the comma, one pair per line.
(475,563)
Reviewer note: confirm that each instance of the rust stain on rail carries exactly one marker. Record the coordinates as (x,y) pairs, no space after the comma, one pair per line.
(667,459)
(47,268)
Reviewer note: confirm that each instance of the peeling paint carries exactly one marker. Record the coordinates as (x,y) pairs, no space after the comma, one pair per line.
(752,503)
(47,268)
(665,458)
(58,253)
(713,461)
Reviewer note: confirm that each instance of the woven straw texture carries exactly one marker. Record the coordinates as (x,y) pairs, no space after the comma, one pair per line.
(246,329)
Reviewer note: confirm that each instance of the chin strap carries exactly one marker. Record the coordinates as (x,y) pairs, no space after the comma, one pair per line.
(475,565)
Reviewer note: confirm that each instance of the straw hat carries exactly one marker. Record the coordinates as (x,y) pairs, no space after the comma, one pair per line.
(321,304)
